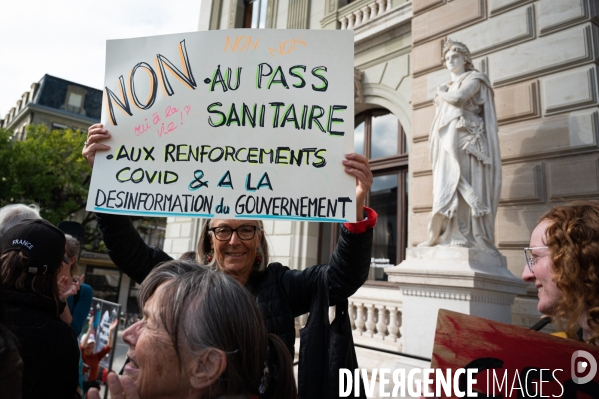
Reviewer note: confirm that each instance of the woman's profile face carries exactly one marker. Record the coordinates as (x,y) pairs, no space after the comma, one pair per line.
(153,362)
(542,272)
(64,270)
(455,61)
(235,256)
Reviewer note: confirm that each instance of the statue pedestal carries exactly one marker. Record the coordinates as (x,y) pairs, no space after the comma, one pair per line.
(464,280)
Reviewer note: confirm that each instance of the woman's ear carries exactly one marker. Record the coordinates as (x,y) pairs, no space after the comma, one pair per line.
(260,236)
(207,367)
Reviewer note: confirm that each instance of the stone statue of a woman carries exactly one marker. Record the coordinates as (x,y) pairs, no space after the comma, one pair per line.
(464,151)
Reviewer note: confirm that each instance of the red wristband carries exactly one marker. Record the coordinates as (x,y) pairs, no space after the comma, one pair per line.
(368,223)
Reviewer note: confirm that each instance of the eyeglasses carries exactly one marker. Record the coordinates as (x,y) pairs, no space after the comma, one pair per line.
(224,233)
(530,261)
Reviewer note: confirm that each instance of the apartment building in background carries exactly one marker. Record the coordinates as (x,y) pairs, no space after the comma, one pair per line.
(57,103)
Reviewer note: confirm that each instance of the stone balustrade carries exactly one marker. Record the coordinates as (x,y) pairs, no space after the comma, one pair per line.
(376,322)
(376,318)
(368,12)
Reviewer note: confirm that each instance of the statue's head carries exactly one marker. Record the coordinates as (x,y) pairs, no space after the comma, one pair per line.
(462,49)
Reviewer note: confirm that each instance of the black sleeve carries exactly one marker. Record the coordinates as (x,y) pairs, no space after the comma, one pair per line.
(126,248)
(51,364)
(346,272)
(64,378)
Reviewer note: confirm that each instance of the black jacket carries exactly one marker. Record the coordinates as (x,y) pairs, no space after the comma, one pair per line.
(47,345)
(281,294)
(11,366)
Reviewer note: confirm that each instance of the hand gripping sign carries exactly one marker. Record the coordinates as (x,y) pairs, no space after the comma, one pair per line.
(228,124)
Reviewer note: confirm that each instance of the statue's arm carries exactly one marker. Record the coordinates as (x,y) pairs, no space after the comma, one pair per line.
(460,95)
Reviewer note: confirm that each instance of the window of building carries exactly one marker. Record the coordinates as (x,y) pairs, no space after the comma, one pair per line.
(23,133)
(151,230)
(74,99)
(59,126)
(104,281)
(379,135)
(255,14)
(74,103)
(152,235)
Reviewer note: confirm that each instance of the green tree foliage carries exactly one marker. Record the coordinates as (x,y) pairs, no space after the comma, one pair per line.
(46,168)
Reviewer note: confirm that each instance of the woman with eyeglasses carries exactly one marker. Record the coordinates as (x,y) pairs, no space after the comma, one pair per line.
(239,248)
(563,263)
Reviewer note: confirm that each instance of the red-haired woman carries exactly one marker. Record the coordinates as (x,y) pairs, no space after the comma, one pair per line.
(563,263)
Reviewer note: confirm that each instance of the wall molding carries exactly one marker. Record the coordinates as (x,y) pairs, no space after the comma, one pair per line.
(421,6)
(427,26)
(551,136)
(571,98)
(558,173)
(537,181)
(494,10)
(298,14)
(384,96)
(232,14)
(589,10)
(215,14)
(271,14)
(589,34)
(514,95)
(501,30)
(457,296)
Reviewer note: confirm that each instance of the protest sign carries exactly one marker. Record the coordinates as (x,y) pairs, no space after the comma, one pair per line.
(228,124)
(513,362)
(104,314)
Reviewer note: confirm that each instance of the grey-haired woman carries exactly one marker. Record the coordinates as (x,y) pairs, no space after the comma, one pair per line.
(192,344)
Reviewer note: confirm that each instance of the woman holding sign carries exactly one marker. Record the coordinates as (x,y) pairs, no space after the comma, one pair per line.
(239,248)
(563,263)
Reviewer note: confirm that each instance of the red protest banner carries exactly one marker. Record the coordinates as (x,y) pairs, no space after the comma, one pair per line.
(513,362)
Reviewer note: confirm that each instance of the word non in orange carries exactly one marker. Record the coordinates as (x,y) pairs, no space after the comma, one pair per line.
(241,43)
(287,46)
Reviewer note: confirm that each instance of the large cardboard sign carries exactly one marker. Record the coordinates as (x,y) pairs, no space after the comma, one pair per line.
(514,362)
(228,124)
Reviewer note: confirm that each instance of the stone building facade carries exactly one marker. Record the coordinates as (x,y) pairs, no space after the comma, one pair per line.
(57,103)
(541,57)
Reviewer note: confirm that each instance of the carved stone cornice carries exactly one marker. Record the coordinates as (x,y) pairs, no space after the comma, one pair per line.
(358,88)
(454,268)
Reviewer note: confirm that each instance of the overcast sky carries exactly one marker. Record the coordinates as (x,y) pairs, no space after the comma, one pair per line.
(67,38)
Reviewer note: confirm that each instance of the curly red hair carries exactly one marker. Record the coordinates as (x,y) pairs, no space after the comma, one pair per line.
(573,240)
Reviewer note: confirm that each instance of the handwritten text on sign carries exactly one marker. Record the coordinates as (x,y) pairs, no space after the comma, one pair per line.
(229,125)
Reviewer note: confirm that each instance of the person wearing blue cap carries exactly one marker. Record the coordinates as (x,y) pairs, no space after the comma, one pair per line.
(32,253)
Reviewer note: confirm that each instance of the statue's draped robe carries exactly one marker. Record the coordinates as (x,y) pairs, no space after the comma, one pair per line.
(465,169)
